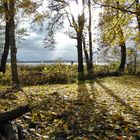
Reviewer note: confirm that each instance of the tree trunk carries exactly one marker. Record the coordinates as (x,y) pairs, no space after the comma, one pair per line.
(138,13)
(6,47)
(11,131)
(86,55)
(123,52)
(90,36)
(123,58)
(122,45)
(80,52)
(79,32)
(13,114)
(135,61)
(15,80)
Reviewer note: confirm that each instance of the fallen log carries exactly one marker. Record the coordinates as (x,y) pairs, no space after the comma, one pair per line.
(13,114)
(8,91)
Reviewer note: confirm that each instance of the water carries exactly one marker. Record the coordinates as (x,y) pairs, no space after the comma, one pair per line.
(43,63)
(67,63)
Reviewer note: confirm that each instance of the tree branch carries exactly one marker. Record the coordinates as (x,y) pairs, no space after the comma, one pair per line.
(13,114)
(119,8)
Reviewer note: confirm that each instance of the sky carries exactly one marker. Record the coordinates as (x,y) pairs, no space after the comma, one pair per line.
(33,47)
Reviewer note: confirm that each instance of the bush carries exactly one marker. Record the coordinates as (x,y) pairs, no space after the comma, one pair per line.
(5,79)
(61,73)
(53,74)
(42,74)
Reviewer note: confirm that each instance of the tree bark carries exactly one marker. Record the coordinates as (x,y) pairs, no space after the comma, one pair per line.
(80,52)
(123,52)
(86,55)
(6,47)
(13,114)
(79,32)
(122,45)
(15,80)
(135,61)
(90,36)
(123,58)
(138,15)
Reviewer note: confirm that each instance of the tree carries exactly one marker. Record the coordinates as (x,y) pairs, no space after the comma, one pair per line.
(90,37)
(9,12)
(114,21)
(77,23)
(87,25)
(9,9)
(129,8)
(122,45)
(80,24)
(6,47)
(2,30)
(138,13)
(123,51)
(86,54)
(79,31)
(15,80)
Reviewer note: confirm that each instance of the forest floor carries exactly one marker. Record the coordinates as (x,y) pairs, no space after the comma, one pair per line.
(104,109)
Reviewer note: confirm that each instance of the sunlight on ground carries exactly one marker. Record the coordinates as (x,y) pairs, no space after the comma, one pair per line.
(101,109)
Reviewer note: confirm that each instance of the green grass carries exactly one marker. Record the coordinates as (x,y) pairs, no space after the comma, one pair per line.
(107,108)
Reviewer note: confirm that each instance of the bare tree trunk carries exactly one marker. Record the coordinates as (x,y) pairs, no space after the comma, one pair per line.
(6,47)
(138,21)
(138,15)
(15,80)
(123,59)
(90,36)
(123,52)
(135,61)
(79,32)
(80,52)
(122,45)
(13,114)
(86,55)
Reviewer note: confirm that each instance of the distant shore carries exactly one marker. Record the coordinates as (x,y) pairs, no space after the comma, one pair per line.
(51,62)
(57,63)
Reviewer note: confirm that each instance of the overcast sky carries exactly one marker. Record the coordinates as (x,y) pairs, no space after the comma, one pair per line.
(32,48)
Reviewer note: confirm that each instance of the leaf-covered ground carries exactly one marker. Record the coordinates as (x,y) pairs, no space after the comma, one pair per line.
(104,109)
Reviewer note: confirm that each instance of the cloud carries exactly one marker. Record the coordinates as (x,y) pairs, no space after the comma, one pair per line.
(33,48)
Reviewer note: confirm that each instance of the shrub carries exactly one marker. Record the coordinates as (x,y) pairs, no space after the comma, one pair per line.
(60,73)
(46,74)
(52,74)
(5,79)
